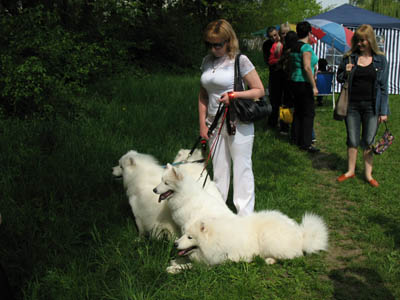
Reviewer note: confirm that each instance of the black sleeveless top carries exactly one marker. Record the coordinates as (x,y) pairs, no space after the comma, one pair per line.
(362,88)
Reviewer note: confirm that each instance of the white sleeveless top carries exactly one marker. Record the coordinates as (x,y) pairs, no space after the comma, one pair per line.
(218,77)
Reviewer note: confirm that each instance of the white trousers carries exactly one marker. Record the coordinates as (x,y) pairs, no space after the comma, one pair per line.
(237,148)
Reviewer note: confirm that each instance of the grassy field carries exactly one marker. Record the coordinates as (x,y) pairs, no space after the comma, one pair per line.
(68,231)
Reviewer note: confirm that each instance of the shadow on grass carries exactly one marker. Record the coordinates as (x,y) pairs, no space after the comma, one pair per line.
(390,226)
(329,161)
(358,283)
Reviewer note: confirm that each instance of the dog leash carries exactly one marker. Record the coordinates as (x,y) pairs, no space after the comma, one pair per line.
(224,110)
(183,162)
(210,130)
(221,110)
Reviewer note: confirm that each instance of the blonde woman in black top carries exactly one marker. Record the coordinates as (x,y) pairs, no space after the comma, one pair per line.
(366,69)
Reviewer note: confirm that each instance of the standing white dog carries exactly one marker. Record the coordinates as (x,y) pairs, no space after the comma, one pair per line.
(269,234)
(140,173)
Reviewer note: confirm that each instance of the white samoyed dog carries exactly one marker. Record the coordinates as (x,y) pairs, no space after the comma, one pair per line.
(194,166)
(268,234)
(140,172)
(186,198)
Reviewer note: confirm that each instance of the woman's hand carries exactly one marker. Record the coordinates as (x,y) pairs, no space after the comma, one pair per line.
(224,99)
(315,91)
(204,132)
(349,67)
(382,118)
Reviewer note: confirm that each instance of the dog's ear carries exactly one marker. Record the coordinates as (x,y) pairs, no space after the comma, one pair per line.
(203,227)
(178,174)
(131,161)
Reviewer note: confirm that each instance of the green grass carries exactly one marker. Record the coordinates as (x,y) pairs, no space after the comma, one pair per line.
(68,231)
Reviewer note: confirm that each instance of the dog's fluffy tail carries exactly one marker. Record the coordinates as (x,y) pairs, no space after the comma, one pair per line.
(315,233)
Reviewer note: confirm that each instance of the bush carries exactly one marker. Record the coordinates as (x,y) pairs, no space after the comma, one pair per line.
(42,64)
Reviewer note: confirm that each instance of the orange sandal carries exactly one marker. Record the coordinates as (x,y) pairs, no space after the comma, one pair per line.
(373,183)
(343,177)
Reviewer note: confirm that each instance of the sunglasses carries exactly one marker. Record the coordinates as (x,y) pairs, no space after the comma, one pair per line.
(215,45)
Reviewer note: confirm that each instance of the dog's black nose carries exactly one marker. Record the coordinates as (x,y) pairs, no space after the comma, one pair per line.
(155,190)
(175,244)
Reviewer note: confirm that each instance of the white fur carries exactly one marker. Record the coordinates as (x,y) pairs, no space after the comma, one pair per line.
(188,200)
(196,170)
(269,234)
(140,173)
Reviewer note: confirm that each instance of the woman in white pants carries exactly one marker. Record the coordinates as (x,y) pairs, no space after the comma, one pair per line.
(217,81)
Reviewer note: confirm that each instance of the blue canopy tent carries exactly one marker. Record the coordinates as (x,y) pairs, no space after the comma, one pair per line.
(386,28)
(351,16)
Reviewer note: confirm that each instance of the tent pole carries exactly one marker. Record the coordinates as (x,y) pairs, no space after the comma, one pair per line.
(334,74)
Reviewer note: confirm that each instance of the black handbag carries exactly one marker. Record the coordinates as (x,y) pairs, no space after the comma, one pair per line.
(248,110)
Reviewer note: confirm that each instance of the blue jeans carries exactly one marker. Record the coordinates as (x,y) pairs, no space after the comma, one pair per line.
(361,114)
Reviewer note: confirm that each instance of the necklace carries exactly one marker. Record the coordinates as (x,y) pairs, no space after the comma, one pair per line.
(217,66)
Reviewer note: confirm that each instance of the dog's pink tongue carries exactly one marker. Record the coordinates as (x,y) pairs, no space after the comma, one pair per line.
(181,253)
(164,195)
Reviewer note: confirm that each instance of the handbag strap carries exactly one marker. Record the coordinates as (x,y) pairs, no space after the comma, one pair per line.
(386,128)
(348,72)
(238,81)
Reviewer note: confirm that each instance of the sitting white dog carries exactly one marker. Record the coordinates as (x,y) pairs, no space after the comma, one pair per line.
(140,173)
(268,234)
(193,165)
(186,198)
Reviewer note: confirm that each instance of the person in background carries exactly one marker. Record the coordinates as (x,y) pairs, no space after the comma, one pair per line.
(290,41)
(266,48)
(217,82)
(303,61)
(275,76)
(280,94)
(366,69)
(322,67)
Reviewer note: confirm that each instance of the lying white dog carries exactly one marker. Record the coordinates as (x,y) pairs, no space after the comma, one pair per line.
(140,173)
(186,198)
(268,234)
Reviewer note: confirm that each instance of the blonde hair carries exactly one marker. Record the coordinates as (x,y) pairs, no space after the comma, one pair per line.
(285,27)
(365,31)
(221,29)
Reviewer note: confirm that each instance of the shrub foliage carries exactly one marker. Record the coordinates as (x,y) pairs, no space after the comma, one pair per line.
(51,50)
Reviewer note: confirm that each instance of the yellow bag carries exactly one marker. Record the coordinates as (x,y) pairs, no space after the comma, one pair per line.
(285,114)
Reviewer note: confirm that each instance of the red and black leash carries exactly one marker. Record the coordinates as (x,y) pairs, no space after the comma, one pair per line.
(221,109)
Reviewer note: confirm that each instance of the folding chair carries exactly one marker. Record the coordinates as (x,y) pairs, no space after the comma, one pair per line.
(325,85)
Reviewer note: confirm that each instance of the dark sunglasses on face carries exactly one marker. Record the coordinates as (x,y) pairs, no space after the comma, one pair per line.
(215,45)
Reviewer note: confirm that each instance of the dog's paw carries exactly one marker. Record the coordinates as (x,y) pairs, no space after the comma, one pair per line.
(175,269)
(173,262)
(270,261)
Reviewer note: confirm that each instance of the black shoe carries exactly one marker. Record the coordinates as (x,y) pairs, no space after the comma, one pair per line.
(309,149)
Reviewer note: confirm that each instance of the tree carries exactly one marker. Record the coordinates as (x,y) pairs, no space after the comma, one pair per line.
(385,7)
